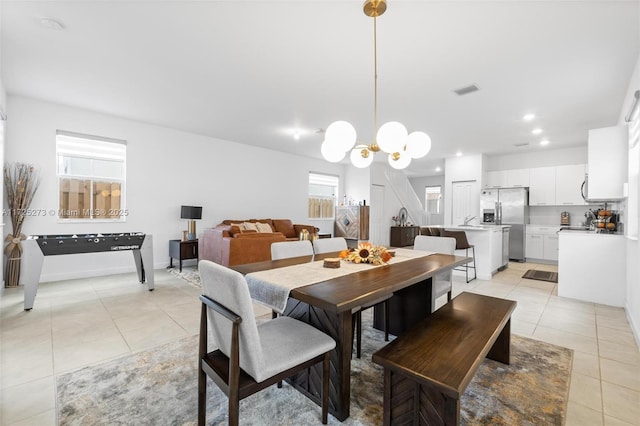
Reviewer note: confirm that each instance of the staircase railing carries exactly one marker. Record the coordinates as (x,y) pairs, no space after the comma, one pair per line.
(407,195)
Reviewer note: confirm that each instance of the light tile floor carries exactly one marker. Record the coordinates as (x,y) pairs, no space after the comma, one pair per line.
(81,322)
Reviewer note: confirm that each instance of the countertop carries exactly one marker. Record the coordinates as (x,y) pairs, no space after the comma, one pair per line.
(586,232)
(484,227)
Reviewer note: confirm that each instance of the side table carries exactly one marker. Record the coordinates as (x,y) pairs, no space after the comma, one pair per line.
(182,250)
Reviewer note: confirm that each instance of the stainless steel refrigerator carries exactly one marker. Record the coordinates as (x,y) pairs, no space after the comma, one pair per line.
(508,206)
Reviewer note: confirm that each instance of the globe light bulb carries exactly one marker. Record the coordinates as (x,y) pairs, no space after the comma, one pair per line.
(342,134)
(331,152)
(392,137)
(399,160)
(361,157)
(418,144)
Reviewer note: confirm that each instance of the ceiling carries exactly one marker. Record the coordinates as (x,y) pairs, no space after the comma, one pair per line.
(253,71)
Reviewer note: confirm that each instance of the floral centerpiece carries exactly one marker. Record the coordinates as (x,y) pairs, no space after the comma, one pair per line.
(366,253)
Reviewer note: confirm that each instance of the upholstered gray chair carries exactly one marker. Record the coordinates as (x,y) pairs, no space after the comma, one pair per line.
(441,283)
(329,245)
(251,357)
(286,249)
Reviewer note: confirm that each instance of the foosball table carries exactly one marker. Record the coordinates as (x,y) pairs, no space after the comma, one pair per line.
(36,247)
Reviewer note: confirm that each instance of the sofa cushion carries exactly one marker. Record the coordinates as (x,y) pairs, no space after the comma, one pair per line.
(264,228)
(248,226)
(285,226)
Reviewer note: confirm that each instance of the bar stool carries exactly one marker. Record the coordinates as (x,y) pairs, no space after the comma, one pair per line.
(463,244)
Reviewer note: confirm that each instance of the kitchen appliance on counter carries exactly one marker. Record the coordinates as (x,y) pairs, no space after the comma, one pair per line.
(508,206)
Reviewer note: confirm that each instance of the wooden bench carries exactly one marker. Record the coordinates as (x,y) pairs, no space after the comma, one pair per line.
(427,369)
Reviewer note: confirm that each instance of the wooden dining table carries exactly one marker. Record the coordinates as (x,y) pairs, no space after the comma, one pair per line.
(328,306)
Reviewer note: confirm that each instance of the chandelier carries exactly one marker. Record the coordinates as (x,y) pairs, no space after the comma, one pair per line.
(392,137)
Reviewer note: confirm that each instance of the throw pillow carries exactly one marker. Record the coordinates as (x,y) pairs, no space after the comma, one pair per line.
(236,228)
(264,228)
(248,226)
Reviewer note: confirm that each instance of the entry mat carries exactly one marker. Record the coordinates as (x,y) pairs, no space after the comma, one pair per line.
(532,274)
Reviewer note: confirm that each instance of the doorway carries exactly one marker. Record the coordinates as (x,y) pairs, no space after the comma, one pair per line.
(378,228)
(465,201)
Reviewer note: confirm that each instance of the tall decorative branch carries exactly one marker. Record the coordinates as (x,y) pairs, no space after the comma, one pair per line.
(21,181)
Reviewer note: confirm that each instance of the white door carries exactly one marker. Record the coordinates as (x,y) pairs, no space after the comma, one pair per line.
(465,201)
(378,229)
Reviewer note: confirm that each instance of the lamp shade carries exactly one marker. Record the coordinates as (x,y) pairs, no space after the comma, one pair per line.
(190,212)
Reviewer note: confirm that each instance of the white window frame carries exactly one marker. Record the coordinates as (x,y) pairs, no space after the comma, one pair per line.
(80,139)
(329,181)
(430,190)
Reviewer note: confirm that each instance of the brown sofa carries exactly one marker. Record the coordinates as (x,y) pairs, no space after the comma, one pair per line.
(229,244)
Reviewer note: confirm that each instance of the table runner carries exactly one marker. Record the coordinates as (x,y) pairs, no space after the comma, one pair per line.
(272,287)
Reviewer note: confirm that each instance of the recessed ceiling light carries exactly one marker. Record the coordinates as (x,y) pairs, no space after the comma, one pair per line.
(529,117)
(438,169)
(536,131)
(296,135)
(459,154)
(544,142)
(51,24)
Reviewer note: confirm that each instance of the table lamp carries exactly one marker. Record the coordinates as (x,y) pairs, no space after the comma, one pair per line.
(192,213)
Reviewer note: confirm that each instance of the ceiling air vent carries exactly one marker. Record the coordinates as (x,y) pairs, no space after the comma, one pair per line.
(466,90)
(521,144)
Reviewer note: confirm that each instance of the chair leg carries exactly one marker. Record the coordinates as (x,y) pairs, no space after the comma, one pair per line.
(386,320)
(325,388)
(358,334)
(202,397)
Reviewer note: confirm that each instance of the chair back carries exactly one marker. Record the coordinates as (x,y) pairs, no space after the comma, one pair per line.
(425,231)
(435,232)
(229,288)
(460,236)
(444,245)
(287,249)
(328,245)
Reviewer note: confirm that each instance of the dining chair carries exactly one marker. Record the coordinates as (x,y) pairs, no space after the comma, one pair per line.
(251,357)
(441,283)
(286,249)
(463,244)
(328,245)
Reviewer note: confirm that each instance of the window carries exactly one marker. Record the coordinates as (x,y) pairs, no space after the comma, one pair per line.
(91,177)
(433,199)
(322,195)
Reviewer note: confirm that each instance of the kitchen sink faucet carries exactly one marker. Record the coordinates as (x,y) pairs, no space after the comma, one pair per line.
(468,219)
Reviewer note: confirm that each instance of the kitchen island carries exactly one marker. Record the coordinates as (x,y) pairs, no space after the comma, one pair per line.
(488,242)
(591,267)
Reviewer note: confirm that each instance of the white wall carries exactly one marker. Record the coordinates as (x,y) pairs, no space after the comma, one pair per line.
(419,184)
(633,248)
(165,169)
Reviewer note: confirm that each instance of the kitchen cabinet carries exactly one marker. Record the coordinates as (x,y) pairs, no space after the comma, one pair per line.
(568,183)
(607,163)
(496,179)
(542,243)
(517,178)
(513,178)
(542,186)
(592,267)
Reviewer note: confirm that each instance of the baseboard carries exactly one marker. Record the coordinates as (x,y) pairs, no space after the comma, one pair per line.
(635,328)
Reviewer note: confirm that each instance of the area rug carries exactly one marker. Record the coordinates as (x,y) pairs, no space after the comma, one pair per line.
(532,274)
(190,274)
(159,387)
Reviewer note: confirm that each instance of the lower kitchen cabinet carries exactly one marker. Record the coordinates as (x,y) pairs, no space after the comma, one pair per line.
(542,243)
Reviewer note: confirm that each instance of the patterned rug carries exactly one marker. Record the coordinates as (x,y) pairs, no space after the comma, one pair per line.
(159,387)
(532,274)
(189,273)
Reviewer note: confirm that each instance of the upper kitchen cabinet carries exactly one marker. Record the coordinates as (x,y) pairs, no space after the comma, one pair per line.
(496,179)
(568,184)
(517,178)
(514,178)
(607,163)
(542,186)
